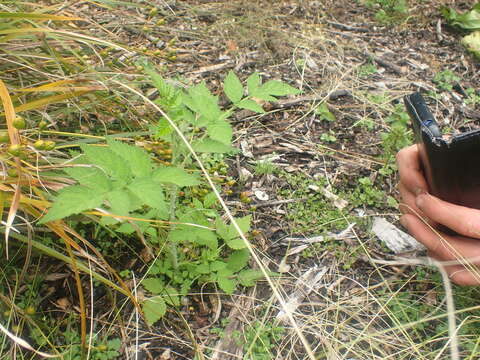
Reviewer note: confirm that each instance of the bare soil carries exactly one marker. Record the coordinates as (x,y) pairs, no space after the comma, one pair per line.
(320,47)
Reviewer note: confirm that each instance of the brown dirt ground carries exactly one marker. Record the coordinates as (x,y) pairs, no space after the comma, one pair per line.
(317,46)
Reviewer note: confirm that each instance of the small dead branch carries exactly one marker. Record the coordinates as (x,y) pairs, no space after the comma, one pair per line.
(212,68)
(228,347)
(278,202)
(394,238)
(348,27)
(344,234)
(305,284)
(316,97)
(395,68)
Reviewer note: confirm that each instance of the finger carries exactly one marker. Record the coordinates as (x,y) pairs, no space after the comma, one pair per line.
(407,206)
(410,170)
(460,274)
(464,221)
(443,246)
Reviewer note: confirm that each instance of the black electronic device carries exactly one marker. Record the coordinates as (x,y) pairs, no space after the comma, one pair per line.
(451,164)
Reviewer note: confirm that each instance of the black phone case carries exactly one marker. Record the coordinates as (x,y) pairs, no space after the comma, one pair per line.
(451,166)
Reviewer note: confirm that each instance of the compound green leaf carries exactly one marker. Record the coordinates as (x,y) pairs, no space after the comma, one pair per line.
(171,296)
(263,95)
(220,130)
(223,230)
(210,200)
(236,244)
(120,203)
(218,265)
(238,260)
(73,200)
(202,268)
(201,101)
(89,176)
(179,236)
(249,277)
(250,105)
(140,162)
(244,223)
(174,175)
(228,232)
(108,161)
(149,192)
(154,309)
(213,146)
(154,285)
(226,284)
(233,87)
(278,88)
(205,237)
(253,83)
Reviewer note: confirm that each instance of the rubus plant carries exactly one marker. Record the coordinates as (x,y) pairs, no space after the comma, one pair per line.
(43,55)
(123,187)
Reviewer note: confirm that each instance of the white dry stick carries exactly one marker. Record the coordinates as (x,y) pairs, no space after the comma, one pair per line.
(24,344)
(304,285)
(394,238)
(306,242)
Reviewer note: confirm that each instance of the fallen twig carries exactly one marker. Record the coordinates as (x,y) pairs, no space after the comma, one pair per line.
(316,97)
(395,68)
(278,202)
(303,286)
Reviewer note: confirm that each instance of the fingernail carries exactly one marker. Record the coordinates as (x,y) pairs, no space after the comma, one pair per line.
(419,191)
(420,201)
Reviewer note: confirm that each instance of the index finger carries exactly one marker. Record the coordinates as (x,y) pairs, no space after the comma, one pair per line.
(463,220)
(410,170)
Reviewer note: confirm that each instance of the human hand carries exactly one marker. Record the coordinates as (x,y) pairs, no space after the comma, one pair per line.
(423,213)
(412,181)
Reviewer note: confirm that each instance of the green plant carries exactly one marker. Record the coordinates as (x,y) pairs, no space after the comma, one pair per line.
(261,339)
(346,255)
(367,194)
(379,98)
(366,123)
(107,349)
(264,167)
(314,212)
(446,79)
(366,70)
(328,137)
(324,113)
(473,97)
(168,206)
(44,93)
(396,138)
(389,12)
(469,20)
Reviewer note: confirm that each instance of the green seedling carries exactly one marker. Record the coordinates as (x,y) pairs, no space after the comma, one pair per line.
(446,79)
